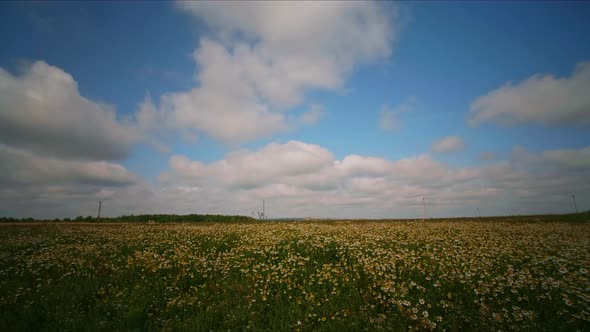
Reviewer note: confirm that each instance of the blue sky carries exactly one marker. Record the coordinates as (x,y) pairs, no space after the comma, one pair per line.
(237,88)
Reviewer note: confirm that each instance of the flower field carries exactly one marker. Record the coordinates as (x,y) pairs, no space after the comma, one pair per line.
(338,275)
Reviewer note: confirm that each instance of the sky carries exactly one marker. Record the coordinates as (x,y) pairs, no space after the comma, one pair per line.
(321,109)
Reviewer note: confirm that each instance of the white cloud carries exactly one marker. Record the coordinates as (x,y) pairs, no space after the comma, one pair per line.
(304,178)
(387,119)
(564,160)
(24,168)
(313,115)
(448,144)
(261,58)
(224,106)
(308,166)
(46,187)
(363,186)
(55,145)
(42,110)
(569,158)
(298,179)
(388,116)
(540,99)
(246,168)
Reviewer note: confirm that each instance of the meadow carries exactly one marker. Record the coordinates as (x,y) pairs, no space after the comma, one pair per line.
(444,275)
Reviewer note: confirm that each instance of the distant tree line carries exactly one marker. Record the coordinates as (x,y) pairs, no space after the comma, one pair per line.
(164,218)
(159,218)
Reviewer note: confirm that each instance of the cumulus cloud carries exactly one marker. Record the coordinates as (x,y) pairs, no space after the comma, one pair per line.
(540,99)
(246,168)
(299,179)
(23,168)
(308,166)
(57,148)
(42,110)
(260,59)
(299,165)
(448,144)
(320,185)
(306,178)
(41,186)
(563,159)
(569,158)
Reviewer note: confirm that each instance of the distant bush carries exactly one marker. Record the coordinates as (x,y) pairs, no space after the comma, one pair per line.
(581,217)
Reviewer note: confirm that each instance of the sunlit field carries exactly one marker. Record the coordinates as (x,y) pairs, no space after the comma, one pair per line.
(337,275)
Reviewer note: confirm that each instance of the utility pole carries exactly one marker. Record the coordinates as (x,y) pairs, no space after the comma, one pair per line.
(424,205)
(574,199)
(99,206)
